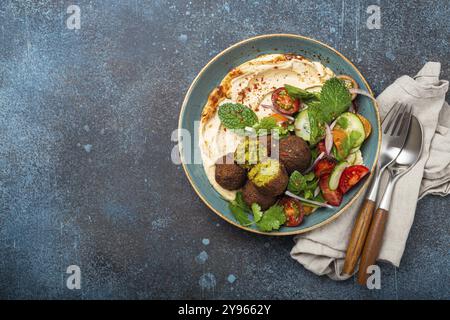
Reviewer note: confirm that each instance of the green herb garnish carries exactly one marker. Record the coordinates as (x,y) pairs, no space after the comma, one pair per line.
(272,219)
(236,116)
(266,123)
(240,210)
(334,99)
(303,185)
(257,212)
(301,94)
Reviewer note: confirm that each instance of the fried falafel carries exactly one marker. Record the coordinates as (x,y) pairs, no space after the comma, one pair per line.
(228,174)
(251,195)
(270,177)
(251,151)
(294,154)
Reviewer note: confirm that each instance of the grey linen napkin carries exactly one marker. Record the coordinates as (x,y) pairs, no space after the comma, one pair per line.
(322,250)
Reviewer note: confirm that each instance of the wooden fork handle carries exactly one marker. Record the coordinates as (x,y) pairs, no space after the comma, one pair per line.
(358,236)
(373,244)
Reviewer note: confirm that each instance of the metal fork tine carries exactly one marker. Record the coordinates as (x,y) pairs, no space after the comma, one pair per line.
(405,122)
(398,121)
(393,119)
(389,116)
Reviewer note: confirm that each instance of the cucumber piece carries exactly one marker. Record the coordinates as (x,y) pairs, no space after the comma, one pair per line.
(333,183)
(354,150)
(352,123)
(302,126)
(359,158)
(351,159)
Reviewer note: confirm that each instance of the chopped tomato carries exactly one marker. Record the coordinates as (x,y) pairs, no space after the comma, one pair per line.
(279,117)
(308,210)
(324,166)
(321,146)
(293,210)
(351,176)
(333,197)
(283,102)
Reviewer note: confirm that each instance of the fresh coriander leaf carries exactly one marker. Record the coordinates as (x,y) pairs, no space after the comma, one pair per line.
(239,214)
(236,116)
(272,219)
(334,98)
(301,94)
(240,210)
(240,201)
(257,212)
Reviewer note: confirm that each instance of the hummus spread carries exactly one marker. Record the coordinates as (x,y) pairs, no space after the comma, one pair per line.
(252,84)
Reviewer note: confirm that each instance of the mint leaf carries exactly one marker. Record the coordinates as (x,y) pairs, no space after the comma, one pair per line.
(303,184)
(257,212)
(301,94)
(272,219)
(297,182)
(316,125)
(310,176)
(334,98)
(236,116)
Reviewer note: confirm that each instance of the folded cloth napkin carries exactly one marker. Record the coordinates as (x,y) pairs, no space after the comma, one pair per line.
(322,250)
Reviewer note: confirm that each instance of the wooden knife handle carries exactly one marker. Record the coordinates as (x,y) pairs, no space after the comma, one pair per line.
(373,244)
(358,236)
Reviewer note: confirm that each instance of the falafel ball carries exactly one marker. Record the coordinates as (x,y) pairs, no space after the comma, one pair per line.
(294,154)
(251,195)
(269,143)
(251,151)
(270,177)
(228,174)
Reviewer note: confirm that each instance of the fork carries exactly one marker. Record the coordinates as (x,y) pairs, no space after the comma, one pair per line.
(395,129)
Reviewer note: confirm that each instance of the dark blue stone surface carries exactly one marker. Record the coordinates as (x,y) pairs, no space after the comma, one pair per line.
(86,118)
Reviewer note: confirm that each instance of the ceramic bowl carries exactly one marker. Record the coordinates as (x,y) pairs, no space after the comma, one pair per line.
(210,77)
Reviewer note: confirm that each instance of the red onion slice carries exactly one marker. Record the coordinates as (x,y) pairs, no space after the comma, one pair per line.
(316,192)
(333,124)
(315,203)
(362,92)
(352,108)
(321,155)
(328,139)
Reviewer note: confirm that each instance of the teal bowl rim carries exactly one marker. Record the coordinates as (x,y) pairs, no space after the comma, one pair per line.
(277,233)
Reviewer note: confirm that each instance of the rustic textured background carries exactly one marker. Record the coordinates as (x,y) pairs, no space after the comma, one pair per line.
(85,173)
